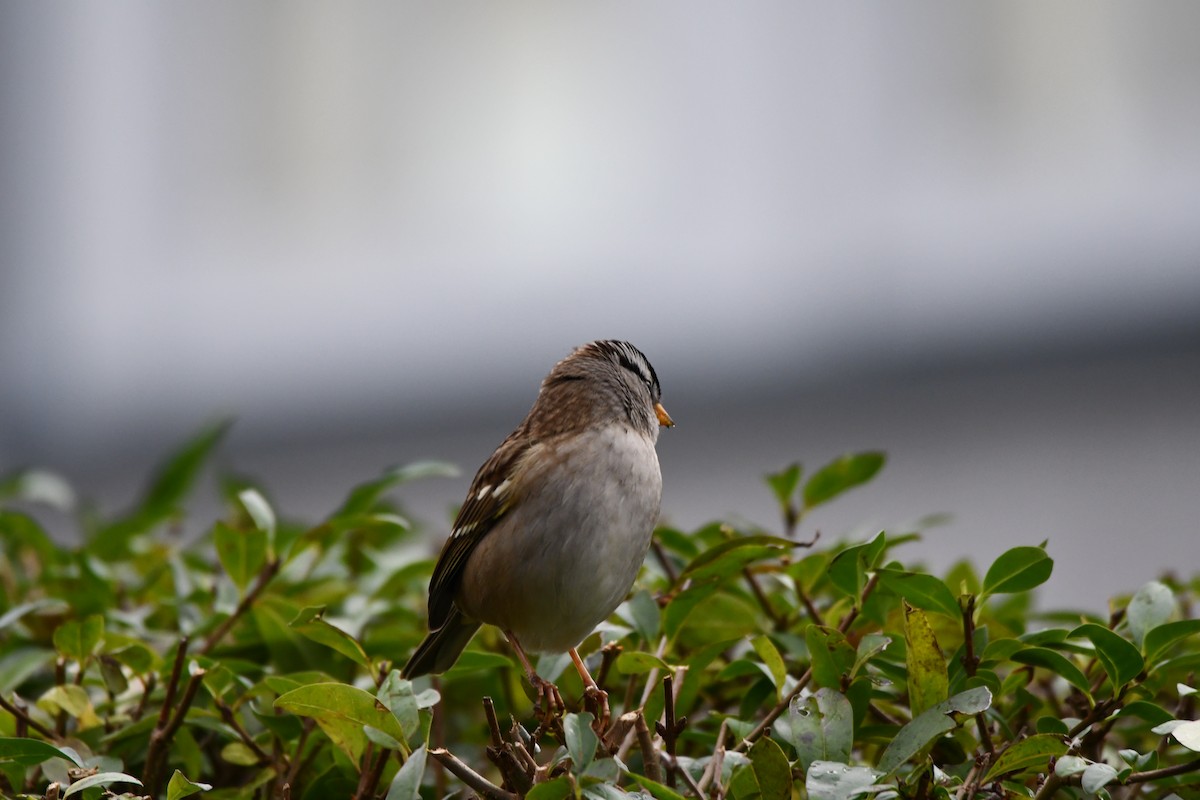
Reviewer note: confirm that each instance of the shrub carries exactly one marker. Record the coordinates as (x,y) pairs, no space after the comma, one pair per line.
(257,661)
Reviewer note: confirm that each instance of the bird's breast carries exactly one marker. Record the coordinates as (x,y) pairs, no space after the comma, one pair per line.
(568,551)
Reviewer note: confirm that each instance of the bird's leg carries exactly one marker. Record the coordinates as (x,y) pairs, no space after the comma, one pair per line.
(549,702)
(595,697)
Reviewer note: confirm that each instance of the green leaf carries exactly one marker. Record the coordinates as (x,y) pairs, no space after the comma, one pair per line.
(1067,766)
(1031,754)
(680,609)
(928,678)
(364,497)
(1096,777)
(20,664)
(1018,570)
(636,662)
(238,753)
(407,783)
(646,615)
(839,475)
(309,622)
(869,646)
(771,770)
(921,590)
(731,555)
(1057,663)
(1151,606)
(931,725)
(1120,659)
(259,510)
(77,639)
(832,780)
(242,552)
(773,661)
(848,570)
(179,787)
(822,727)
(164,496)
(581,741)
(72,699)
(558,788)
(656,790)
(176,477)
(100,779)
(46,605)
(28,752)
(476,660)
(832,656)
(342,710)
(784,483)
(1158,640)
(396,694)
(1147,711)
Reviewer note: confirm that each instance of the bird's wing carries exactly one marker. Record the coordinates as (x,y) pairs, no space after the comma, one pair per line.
(488,499)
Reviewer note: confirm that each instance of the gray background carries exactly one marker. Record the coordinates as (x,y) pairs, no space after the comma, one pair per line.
(965,234)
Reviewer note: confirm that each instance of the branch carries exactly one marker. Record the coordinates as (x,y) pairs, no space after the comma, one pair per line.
(664,561)
(470,777)
(23,716)
(669,728)
(1165,772)
(650,763)
(264,577)
(232,721)
(168,723)
(779,622)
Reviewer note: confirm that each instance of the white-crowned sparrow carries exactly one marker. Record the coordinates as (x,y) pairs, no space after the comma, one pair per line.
(557,522)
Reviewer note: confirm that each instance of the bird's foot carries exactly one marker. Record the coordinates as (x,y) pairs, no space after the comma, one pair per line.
(595,700)
(548,704)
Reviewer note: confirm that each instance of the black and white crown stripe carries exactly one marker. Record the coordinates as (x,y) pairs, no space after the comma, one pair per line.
(633,360)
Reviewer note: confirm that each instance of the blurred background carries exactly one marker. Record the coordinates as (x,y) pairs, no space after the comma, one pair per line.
(968,235)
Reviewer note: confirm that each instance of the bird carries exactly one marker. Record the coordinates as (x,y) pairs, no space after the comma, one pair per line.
(557,522)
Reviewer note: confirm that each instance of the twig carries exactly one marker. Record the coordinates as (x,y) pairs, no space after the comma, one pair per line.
(264,577)
(168,723)
(438,724)
(775,712)
(232,721)
(970,662)
(148,684)
(60,678)
(470,777)
(370,778)
(716,763)
(299,760)
(649,755)
(23,717)
(651,680)
(489,711)
(779,622)
(1164,772)
(664,561)
(814,616)
(687,777)
(608,656)
(669,728)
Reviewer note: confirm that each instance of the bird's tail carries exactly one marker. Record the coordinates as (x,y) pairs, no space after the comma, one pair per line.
(441,648)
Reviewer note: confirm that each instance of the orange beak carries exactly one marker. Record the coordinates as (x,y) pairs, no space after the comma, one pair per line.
(664,418)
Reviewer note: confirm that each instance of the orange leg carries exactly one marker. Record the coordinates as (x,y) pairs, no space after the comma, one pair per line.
(597,698)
